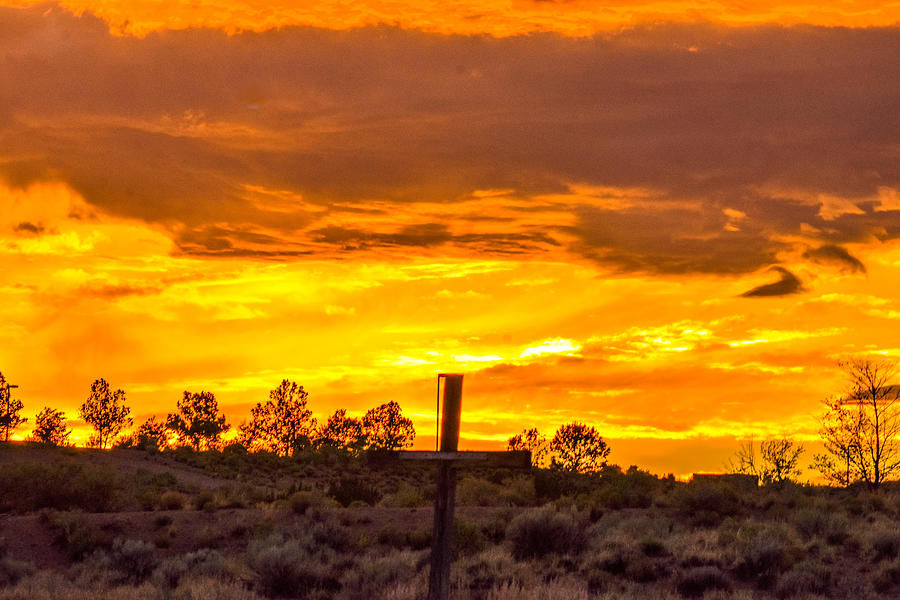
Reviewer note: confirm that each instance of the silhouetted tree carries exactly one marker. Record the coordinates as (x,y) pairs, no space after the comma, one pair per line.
(531,440)
(50,427)
(150,435)
(105,411)
(198,421)
(579,448)
(10,408)
(386,428)
(776,463)
(283,424)
(861,428)
(341,431)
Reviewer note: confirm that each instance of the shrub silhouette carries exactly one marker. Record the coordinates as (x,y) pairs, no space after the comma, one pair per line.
(286,570)
(763,556)
(135,560)
(696,581)
(707,503)
(804,579)
(171,500)
(348,490)
(467,538)
(886,545)
(203,562)
(653,547)
(377,573)
(553,484)
(633,489)
(75,537)
(12,570)
(616,559)
(539,532)
(302,501)
(205,500)
(887,578)
(32,486)
(646,570)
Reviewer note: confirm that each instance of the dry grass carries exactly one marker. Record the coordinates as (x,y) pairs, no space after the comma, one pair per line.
(247,538)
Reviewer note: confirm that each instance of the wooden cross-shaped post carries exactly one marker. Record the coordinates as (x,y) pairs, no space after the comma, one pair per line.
(448,458)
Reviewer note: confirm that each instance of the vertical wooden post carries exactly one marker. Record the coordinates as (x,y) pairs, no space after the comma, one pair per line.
(445,500)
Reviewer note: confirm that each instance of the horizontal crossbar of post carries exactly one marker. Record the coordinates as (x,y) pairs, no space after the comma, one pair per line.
(516,459)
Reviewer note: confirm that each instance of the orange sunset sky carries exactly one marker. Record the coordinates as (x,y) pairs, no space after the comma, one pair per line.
(666,219)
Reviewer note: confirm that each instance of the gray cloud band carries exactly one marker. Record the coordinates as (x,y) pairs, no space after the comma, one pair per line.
(172,129)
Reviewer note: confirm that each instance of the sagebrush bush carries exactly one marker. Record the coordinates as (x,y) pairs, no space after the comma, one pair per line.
(171,500)
(205,500)
(652,546)
(26,487)
(406,496)
(552,484)
(75,536)
(373,574)
(135,560)
(887,578)
(542,531)
(476,491)
(467,538)
(12,570)
(615,559)
(811,522)
(762,556)
(487,570)
(329,533)
(632,489)
(283,571)
(302,501)
(804,579)
(290,568)
(349,490)
(696,581)
(644,569)
(886,545)
(204,562)
(707,503)
(392,536)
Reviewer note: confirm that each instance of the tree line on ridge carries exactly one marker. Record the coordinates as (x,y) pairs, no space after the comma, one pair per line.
(860,428)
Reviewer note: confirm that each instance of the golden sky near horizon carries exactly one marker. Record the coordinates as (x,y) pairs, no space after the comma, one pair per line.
(667,219)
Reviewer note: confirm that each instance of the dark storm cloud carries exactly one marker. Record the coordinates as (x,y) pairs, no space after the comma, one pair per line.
(835,255)
(671,240)
(428,235)
(172,128)
(29,228)
(787,284)
(117,291)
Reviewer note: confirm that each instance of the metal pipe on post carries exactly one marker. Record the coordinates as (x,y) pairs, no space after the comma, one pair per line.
(9,400)
(442,536)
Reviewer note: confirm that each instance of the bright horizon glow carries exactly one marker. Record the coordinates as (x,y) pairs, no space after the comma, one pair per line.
(493,17)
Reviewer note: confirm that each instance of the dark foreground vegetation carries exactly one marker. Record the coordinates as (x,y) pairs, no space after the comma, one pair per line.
(181,524)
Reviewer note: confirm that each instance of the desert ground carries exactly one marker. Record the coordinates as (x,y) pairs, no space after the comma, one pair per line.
(128,524)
